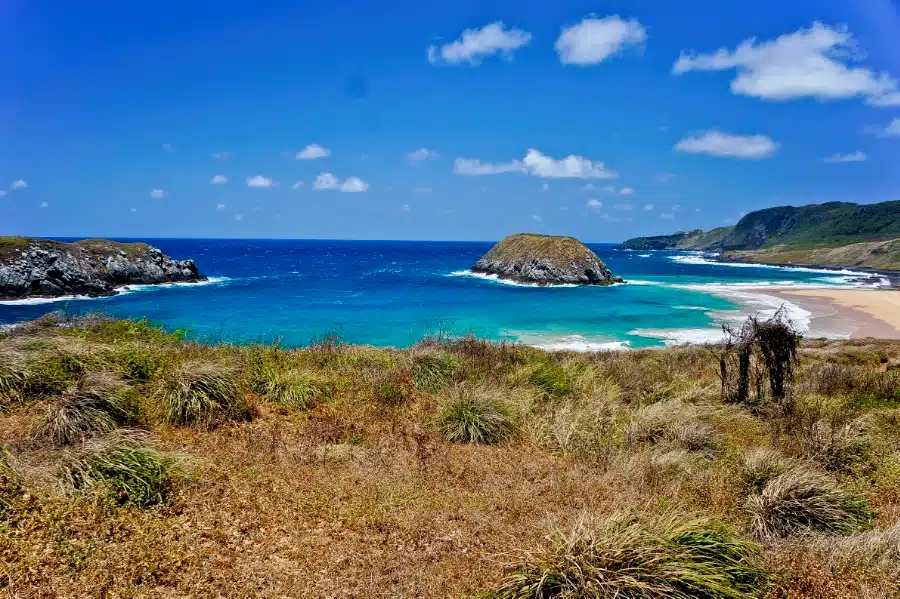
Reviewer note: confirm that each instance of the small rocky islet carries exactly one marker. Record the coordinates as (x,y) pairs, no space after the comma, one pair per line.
(535,259)
(31,267)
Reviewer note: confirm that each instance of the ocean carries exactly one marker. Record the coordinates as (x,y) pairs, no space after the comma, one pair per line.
(394,293)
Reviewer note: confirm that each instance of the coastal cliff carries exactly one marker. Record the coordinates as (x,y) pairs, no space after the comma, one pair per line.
(93,267)
(545,260)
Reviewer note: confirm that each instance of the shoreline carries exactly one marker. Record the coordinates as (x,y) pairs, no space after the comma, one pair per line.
(848,313)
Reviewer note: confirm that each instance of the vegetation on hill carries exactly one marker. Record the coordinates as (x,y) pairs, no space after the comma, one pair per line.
(13,246)
(135,463)
(773,234)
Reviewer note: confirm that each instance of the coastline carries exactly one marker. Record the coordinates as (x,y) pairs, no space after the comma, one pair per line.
(849,313)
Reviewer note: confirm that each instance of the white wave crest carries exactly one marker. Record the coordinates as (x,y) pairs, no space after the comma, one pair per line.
(495,279)
(576,343)
(124,290)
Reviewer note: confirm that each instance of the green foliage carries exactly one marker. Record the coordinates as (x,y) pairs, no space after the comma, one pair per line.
(139,363)
(475,415)
(12,373)
(123,469)
(51,372)
(661,559)
(108,330)
(200,392)
(292,388)
(434,370)
(395,387)
(801,500)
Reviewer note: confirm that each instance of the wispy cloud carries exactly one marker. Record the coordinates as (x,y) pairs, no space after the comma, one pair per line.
(665,177)
(538,165)
(536,218)
(717,143)
(19,184)
(221,155)
(545,187)
(238,217)
(220,206)
(260,182)
(626,191)
(842,158)
(421,155)
(815,62)
(327,181)
(298,185)
(219,180)
(476,44)
(594,40)
(892,129)
(627,207)
(312,152)
(649,207)
(594,204)
(44,204)
(3,192)
(667,215)
(404,208)
(158,194)
(168,148)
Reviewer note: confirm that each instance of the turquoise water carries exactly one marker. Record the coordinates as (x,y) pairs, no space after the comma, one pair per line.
(394,293)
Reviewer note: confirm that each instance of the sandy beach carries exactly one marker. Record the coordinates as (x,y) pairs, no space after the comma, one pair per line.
(854,313)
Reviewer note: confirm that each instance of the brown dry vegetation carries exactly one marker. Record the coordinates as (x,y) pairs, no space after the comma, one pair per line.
(243,471)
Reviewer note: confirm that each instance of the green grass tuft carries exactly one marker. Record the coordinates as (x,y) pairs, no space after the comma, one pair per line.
(292,388)
(124,469)
(800,501)
(200,392)
(625,558)
(433,370)
(475,415)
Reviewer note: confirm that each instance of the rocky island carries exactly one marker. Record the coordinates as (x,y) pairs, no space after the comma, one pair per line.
(32,267)
(545,260)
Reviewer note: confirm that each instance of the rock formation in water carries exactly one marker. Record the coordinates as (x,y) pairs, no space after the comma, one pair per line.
(545,260)
(94,267)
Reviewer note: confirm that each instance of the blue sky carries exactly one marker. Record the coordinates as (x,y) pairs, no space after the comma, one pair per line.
(426,120)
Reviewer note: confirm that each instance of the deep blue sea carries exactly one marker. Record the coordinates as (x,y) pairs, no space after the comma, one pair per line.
(396,292)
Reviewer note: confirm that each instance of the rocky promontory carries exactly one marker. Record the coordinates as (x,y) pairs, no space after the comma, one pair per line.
(32,267)
(545,260)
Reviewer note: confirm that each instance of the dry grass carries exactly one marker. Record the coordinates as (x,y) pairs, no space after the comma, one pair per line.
(353,490)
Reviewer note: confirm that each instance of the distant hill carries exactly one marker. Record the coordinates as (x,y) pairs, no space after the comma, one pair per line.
(799,233)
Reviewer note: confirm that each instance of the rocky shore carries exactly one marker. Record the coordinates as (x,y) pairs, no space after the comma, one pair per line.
(545,260)
(43,268)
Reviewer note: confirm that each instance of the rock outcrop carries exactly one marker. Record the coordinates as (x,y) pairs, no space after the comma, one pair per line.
(42,268)
(545,260)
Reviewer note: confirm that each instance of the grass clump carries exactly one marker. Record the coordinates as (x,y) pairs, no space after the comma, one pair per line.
(433,370)
(291,388)
(98,405)
(200,392)
(124,469)
(799,501)
(626,558)
(475,415)
(758,468)
(12,373)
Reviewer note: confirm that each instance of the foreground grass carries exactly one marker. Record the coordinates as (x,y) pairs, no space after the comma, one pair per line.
(137,464)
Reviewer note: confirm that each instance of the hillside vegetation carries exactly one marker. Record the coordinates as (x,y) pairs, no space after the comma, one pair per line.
(135,463)
(777,231)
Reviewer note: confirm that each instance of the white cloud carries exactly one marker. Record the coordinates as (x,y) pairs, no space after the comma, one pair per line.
(563,208)
(327,181)
(220,206)
(421,155)
(594,40)
(842,158)
(476,44)
(20,184)
(545,187)
(238,217)
(168,148)
(298,185)
(473,166)
(717,143)
(588,187)
(626,191)
(354,185)
(649,207)
(44,204)
(404,208)
(221,155)
(892,130)
(2,192)
(667,216)
(134,210)
(809,63)
(158,193)
(219,180)
(623,206)
(313,151)
(594,204)
(570,167)
(665,177)
(536,218)
(259,181)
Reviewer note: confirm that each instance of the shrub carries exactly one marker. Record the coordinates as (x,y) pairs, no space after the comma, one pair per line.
(139,363)
(433,370)
(551,379)
(475,415)
(97,405)
(627,558)
(674,422)
(800,501)
(52,372)
(839,448)
(203,392)
(292,388)
(124,469)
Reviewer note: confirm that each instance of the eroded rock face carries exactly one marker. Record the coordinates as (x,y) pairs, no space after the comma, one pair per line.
(43,268)
(545,260)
